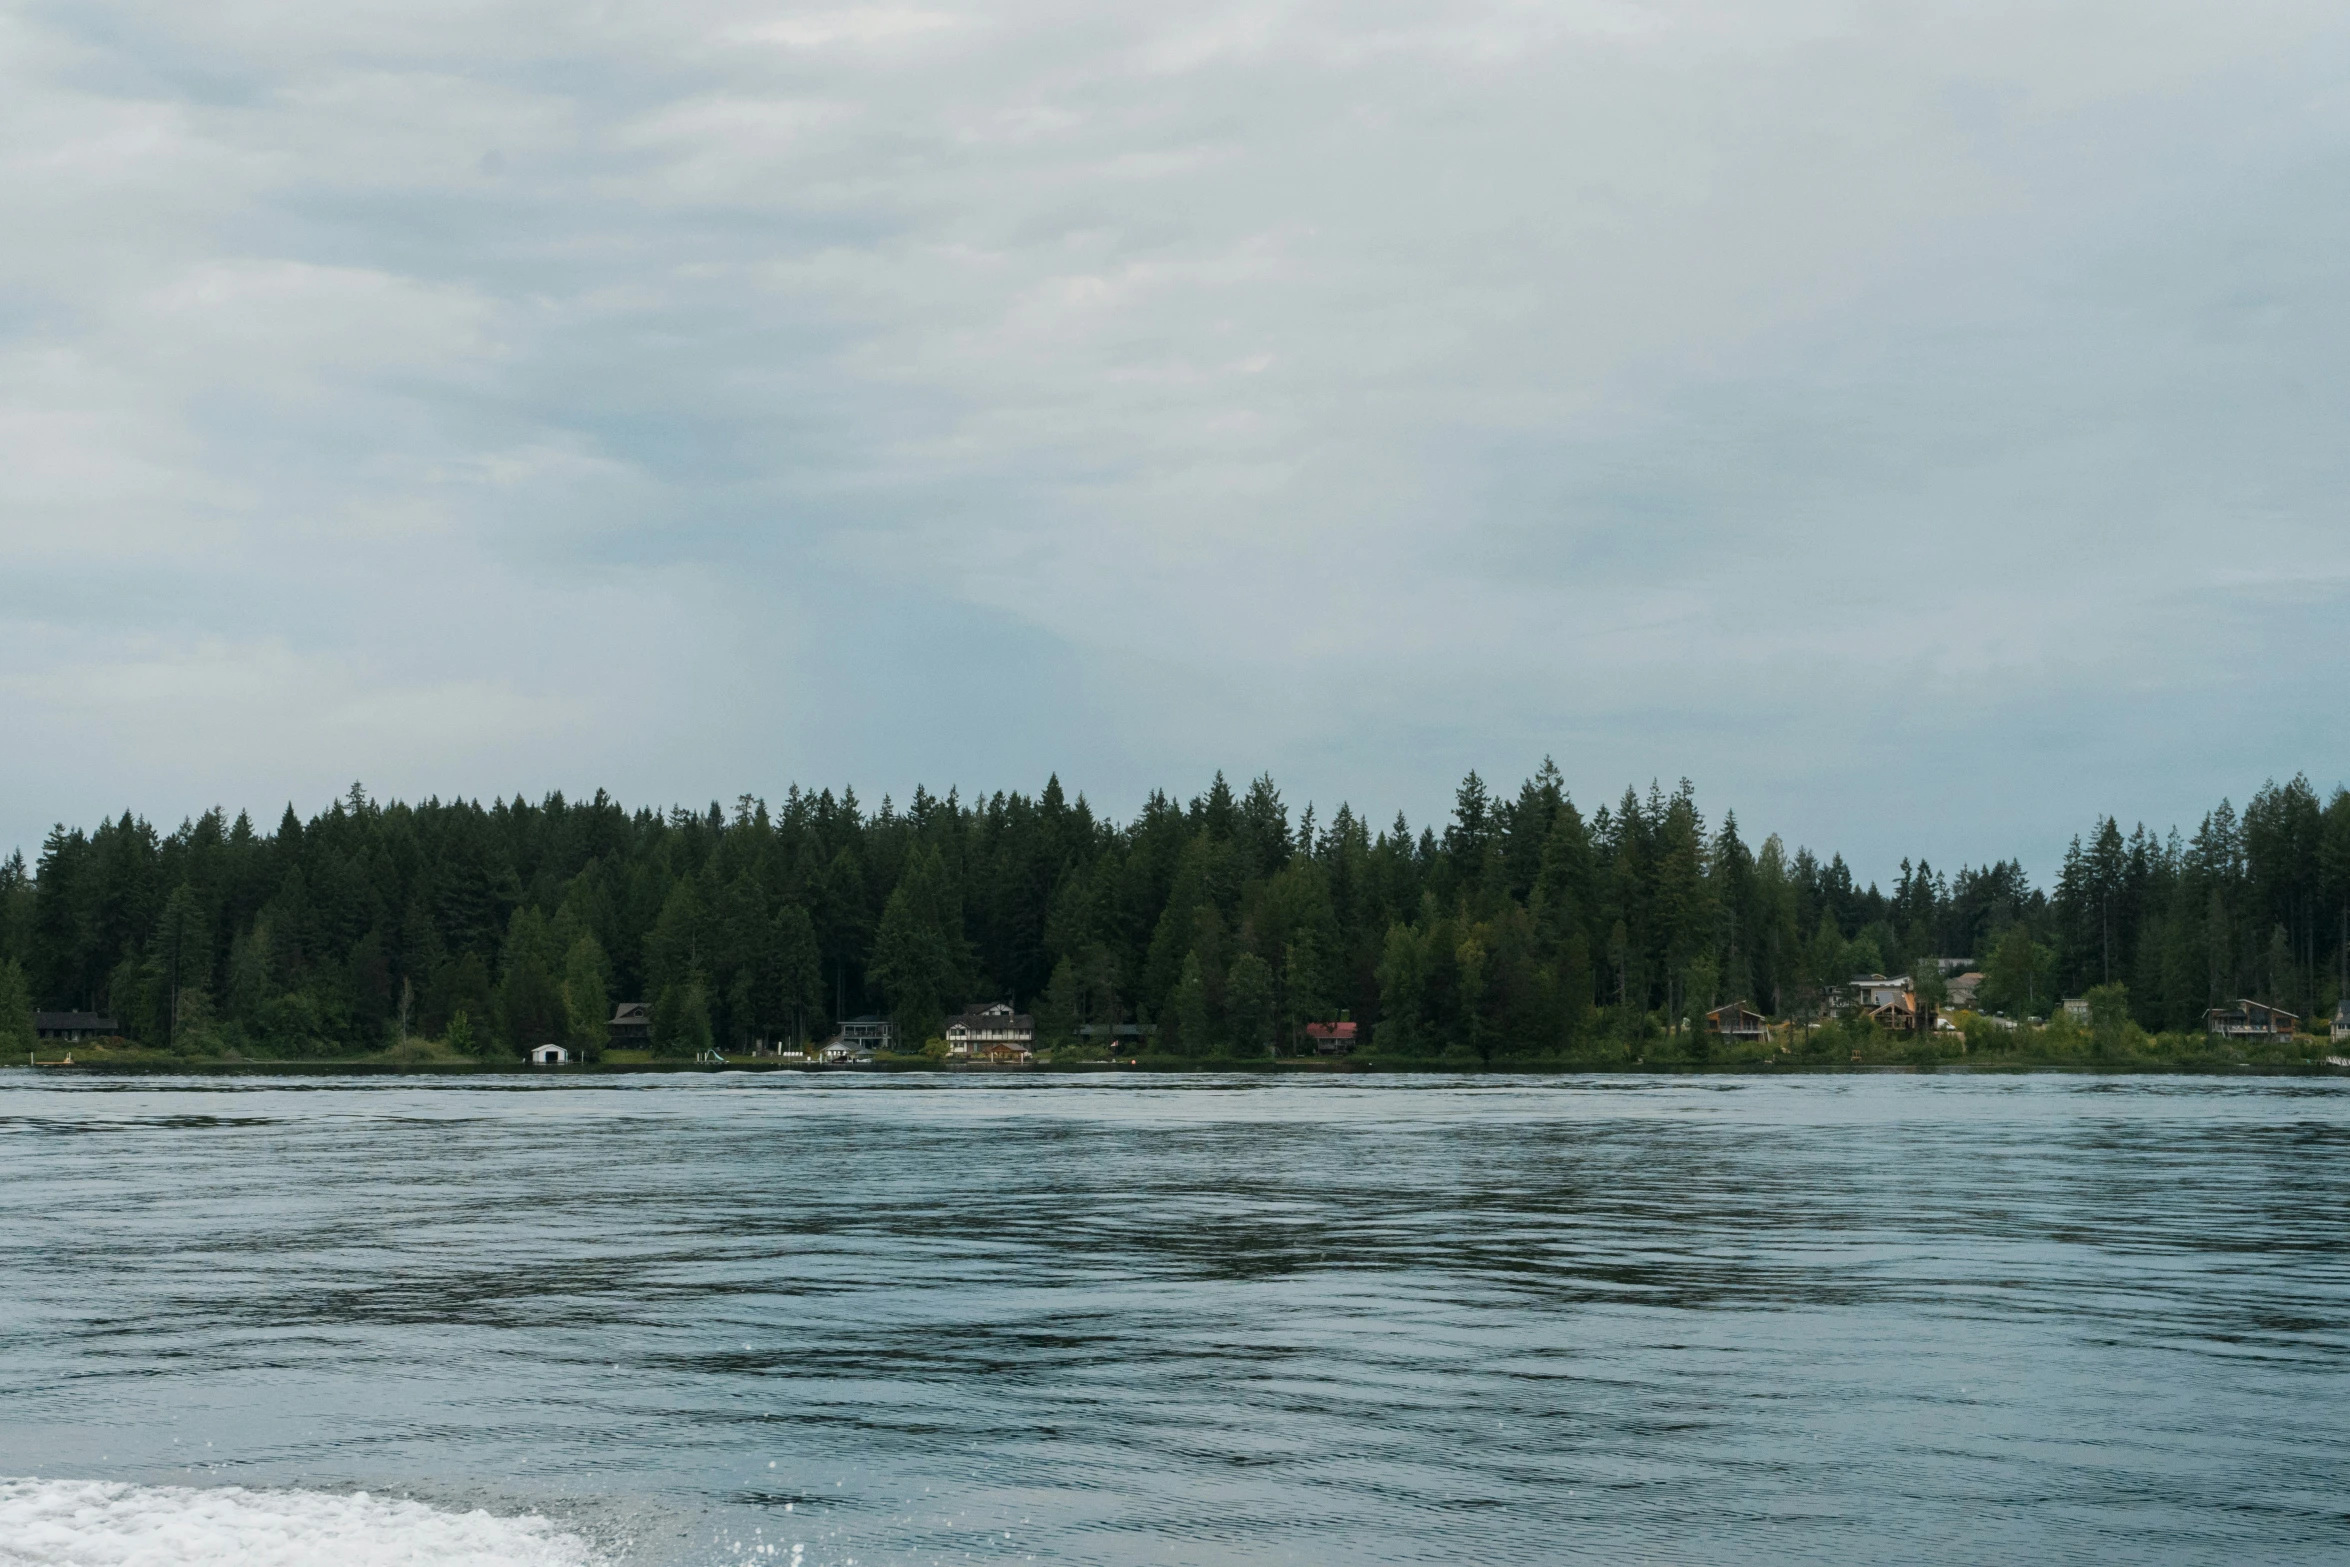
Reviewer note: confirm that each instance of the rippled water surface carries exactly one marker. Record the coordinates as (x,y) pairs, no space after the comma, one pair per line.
(1190,1320)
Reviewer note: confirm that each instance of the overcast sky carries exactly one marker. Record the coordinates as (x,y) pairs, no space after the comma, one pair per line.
(1923,426)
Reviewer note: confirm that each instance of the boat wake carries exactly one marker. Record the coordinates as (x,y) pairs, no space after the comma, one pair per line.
(97,1523)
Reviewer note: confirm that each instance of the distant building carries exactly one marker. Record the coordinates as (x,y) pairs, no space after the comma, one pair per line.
(74,1025)
(2342,1023)
(1736,1021)
(2077,1008)
(1888,1001)
(864,1036)
(1871,991)
(992,1033)
(1962,989)
(2251,1020)
(1334,1039)
(1118,1032)
(1901,1012)
(548,1055)
(631,1027)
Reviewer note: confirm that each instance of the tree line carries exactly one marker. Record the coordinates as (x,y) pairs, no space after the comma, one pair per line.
(1520,930)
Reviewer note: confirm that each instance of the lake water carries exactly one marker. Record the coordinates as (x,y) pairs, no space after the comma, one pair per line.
(1197,1320)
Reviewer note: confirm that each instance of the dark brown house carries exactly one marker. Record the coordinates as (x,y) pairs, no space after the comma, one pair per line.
(2250,1020)
(1736,1021)
(74,1025)
(631,1027)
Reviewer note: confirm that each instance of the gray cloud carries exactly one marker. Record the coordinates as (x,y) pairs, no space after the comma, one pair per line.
(1914,424)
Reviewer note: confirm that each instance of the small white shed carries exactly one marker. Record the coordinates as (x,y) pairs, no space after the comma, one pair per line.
(548,1055)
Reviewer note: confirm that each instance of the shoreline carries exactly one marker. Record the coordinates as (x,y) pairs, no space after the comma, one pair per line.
(2317,1069)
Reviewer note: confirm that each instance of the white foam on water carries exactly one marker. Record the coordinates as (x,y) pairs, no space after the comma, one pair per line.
(100,1523)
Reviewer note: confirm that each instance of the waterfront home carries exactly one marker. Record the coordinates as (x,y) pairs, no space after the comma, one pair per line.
(2342,1023)
(1334,1039)
(863,1037)
(1736,1021)
(1902,1012)
(1887,1001)
(2249,1019)
(549,1055)
(74,1025)
(2076,1008)
(1871,991)
(1866,994)
(1119,1034)
(1962,990)
(981,1032)
(631,1027)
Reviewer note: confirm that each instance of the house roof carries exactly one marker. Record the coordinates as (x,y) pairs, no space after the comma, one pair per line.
(95,1021)
(2246,1007)
(1342,1030)
(632,1012)
(997,1016)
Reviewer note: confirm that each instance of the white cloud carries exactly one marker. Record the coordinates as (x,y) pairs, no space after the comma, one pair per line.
(1363,391)
(852,25)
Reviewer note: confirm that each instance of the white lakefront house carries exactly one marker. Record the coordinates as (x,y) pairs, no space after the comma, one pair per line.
(992,1033)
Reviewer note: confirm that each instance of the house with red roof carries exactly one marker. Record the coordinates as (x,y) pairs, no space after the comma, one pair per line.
(1333,1039)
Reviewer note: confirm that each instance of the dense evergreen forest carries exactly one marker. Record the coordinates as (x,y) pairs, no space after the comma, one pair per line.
(1520,931)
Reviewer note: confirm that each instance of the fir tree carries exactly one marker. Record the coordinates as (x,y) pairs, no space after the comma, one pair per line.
(16,1010)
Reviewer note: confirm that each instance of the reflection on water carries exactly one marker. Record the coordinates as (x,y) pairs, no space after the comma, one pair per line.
(1207,1320)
